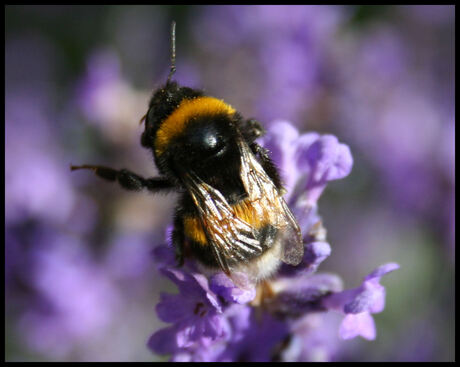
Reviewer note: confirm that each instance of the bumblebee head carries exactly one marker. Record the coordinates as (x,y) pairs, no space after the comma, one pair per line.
(185,129)
(162,104)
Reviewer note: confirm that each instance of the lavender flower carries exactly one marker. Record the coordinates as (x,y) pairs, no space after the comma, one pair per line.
(313,338)
(195,311)
(288,39)
(75,299)
(397,108)
(211,319)
(359,303)
(107,99)
(61,300)
(386,88)
(34,160)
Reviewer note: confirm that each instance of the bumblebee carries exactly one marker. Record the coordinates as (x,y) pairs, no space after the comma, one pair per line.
(231,214)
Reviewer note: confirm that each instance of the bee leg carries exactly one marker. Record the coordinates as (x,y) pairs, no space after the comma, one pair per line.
(251,130)
(127,179)
(178,239)
(267,164)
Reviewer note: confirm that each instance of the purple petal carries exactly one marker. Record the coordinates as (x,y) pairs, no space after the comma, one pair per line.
(164,255)
(304,293)
(174,307)
(360,324)
(193,285)
(369,297)
(222,285)
(305,211)
(314,338)
(280,135)
(381,271)
(337,301)
(163,341)
(379,300)
(319,159)
(185,337)
(280,140)
(201,331)
(203,352)
(315,253)
(177,276)
(204,283)
(259,341)
(303,145)
(239,318)
(328,160)
(181,357)
(306,162)
(216,326)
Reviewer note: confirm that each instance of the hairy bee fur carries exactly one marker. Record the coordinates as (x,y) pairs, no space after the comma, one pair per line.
(230,215)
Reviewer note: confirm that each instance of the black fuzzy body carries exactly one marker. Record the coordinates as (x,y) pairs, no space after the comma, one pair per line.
(208,147)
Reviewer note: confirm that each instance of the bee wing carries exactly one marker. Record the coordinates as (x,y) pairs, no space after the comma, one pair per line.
(230,237)
(291,238)
(266,197)
(233,239)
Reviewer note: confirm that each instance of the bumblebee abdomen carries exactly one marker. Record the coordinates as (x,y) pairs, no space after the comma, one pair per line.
(194,231)
(243,210)
(198,241)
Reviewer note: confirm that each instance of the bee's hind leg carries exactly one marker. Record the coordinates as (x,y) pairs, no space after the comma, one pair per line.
(127,179)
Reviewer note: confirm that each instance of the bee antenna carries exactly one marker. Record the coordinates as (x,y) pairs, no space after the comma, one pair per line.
(173,52)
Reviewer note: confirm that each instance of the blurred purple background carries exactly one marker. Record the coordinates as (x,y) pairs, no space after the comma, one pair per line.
(79,279)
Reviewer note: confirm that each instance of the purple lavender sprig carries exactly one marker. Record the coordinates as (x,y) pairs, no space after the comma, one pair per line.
(211,319)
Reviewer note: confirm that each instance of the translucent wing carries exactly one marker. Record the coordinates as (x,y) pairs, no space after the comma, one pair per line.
(231,238)
(267,199)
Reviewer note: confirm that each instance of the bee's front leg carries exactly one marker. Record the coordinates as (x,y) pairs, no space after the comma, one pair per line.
(127,179)
(251,130)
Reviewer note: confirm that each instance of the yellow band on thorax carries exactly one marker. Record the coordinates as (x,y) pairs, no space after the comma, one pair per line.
(184,113)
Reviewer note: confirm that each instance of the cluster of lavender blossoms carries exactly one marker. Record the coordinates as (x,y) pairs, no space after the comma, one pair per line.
(211,319)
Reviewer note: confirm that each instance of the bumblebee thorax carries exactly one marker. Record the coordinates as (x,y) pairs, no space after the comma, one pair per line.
(194,116)
(186,130)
